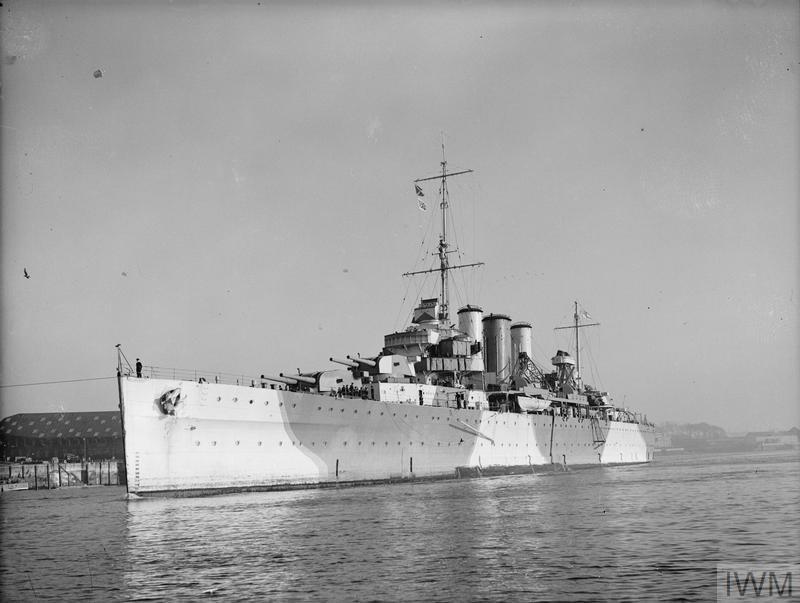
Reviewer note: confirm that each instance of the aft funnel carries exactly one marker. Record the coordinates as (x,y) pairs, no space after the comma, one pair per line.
(521,340)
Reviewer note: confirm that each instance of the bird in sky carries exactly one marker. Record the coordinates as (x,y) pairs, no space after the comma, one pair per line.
(25,272)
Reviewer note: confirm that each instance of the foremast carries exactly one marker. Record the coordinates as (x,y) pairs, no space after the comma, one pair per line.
(444,264)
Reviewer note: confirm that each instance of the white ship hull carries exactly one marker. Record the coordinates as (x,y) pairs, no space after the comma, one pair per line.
(233,438)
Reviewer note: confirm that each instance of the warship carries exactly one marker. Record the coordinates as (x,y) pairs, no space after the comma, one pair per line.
(441,399)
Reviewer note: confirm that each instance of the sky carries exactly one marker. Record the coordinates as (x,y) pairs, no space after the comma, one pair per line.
(229,187)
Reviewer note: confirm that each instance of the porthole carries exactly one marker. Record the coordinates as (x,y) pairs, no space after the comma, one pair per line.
(197,443)
(266,402)
(214,443)
(235,399)
(280,403)
(236,442)
(251,401)
(280,443)
(294,405)
(319,408)
(219,398)
(259,442)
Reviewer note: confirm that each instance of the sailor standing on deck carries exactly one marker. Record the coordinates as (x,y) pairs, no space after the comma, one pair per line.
(138,368)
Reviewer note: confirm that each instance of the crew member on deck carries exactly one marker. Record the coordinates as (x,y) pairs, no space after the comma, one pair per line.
(138,368)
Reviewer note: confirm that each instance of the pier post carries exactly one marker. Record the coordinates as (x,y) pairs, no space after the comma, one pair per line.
(35,477)
(48,476)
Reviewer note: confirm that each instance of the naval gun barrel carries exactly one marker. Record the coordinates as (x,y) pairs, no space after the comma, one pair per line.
(349,363)
(280,379)
(364,361)
(301,378)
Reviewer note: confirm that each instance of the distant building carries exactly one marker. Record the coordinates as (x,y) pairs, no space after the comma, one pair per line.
(775,440)
(702,437)
(66,435)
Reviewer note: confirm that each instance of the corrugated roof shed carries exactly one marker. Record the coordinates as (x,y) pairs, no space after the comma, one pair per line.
(97,424)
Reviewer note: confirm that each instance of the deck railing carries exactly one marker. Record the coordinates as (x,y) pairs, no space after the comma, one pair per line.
(196,375)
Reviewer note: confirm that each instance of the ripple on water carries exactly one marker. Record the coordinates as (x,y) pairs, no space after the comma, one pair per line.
(621,533)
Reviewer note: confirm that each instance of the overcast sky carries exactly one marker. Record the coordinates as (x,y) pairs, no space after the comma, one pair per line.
(234,191)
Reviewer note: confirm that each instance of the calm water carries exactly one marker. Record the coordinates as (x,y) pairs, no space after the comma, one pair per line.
(621,533)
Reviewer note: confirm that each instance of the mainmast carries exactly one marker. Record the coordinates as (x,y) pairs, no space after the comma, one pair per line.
(577,326)
(444,266)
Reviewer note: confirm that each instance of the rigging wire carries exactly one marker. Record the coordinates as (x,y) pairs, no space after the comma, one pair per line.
(466,279)
(540,350)
(402,305)
(54,382)
(418,296)
(593,367)
(422,251)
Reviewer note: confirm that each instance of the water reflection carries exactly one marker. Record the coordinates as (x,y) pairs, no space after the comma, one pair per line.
(650,532)
(245,544)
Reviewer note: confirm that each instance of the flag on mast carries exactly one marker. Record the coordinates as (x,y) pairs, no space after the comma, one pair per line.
(420,195)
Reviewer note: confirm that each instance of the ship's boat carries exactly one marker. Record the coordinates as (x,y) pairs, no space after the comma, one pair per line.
(440,400)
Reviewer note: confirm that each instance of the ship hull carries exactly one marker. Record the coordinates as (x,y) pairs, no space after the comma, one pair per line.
(227,438)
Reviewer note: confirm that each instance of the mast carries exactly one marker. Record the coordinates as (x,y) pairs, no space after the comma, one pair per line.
(577,326)
(443,237)
(577,346)
(444,265)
